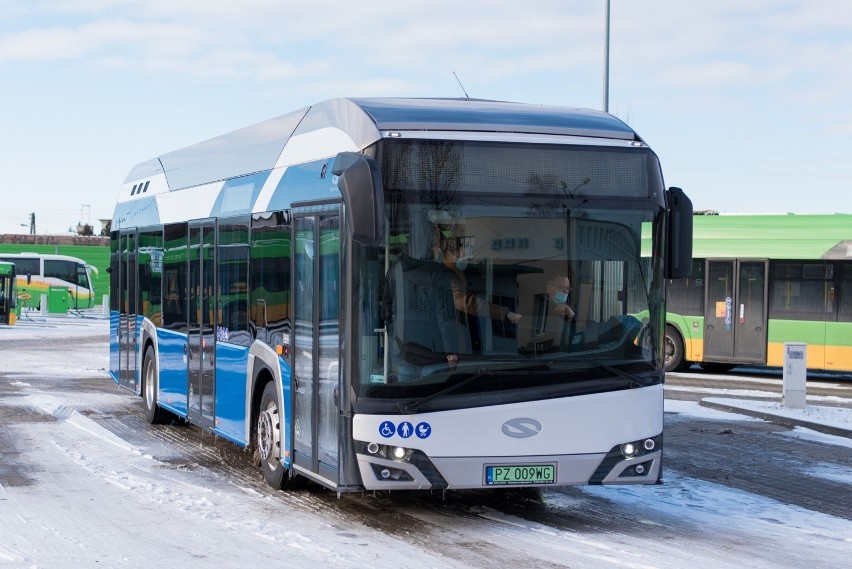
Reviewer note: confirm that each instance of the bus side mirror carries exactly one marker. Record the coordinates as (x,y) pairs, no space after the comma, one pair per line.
(679,234)
(361,186)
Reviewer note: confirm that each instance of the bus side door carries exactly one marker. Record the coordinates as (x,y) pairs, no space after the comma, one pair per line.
(735,319)
(201,339)
(317,335)
(127,289)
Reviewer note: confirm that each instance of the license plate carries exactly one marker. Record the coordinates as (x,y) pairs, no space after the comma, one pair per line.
(520,474)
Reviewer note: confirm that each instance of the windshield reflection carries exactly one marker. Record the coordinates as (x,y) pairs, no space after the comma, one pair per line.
(509,272)
(515,300)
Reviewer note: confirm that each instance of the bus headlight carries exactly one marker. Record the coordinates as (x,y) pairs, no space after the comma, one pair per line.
(398,454)
(641,447)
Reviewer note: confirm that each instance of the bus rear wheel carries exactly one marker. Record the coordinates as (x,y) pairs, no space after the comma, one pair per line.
(153,413)
(269,438)
(674,351)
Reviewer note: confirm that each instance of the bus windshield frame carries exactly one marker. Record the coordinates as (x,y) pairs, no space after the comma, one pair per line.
(466,254)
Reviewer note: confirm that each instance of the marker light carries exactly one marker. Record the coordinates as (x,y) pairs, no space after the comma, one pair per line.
(649,444)
(399,453)
(385,473)
(640,469)
(373,448)
(628,449)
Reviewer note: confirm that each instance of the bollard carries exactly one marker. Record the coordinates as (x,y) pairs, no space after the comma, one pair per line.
(43,306)
(795,375)
(105,305)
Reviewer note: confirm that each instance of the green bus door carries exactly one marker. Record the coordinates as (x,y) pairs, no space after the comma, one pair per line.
(735,311)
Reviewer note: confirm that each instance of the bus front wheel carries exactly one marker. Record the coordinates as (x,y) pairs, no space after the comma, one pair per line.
(674,351)
(153,413)
(269,438)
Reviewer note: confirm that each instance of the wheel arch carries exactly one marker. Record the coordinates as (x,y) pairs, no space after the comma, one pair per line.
(263,368)
(147,341)
(262,376)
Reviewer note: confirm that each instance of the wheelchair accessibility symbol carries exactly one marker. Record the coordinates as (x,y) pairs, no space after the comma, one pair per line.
(387,429)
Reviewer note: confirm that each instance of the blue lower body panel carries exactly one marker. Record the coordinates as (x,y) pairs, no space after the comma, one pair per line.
(172,347)
(231,392)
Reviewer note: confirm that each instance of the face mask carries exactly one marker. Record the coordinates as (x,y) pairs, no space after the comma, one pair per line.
(560,297)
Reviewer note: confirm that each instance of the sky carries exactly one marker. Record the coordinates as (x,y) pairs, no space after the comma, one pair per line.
(746,103)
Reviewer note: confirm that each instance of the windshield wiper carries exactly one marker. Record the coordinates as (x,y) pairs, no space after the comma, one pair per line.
(409,407)
(634,380)
(412,406)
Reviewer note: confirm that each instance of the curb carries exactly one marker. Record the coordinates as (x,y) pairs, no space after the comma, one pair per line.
(778,419)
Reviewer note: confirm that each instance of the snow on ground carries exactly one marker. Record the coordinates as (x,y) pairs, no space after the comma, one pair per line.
(840,417)
(98,500)
(754,394)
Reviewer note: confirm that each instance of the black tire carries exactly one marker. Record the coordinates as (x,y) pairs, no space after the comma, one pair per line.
(674,351)
(268,437)
(153,413)
(717,367)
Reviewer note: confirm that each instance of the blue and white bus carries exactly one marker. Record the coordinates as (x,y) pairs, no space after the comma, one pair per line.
(362,294)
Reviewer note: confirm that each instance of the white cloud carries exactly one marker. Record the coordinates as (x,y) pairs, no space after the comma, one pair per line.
(383,34)
(717,73)
(736,77)
(99,38)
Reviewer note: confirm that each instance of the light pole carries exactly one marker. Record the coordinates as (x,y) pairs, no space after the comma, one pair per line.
(606,62)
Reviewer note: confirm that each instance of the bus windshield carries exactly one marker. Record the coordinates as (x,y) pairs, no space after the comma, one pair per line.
(490,296)
(66,270)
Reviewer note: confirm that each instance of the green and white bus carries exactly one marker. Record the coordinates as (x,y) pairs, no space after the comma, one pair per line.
(8,293)
(39,273)
(757,282)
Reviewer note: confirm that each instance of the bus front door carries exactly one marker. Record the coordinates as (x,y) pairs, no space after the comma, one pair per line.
(316,362)
(127,332)
(735,311)
(201,364)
